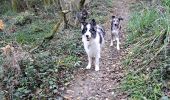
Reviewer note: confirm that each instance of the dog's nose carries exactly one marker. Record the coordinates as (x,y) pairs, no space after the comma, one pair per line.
(87,36)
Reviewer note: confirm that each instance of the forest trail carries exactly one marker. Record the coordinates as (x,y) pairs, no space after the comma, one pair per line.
(104,84)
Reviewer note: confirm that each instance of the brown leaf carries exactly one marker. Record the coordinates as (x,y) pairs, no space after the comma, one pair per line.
(7,50)
(1,25)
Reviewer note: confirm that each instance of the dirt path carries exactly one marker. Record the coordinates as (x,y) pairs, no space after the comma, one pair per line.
(104,84)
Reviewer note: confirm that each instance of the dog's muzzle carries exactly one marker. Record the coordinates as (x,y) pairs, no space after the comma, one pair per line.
(116,25)
(88,37)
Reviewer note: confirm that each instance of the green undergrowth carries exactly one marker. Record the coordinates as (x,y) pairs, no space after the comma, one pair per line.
(52,63)
(26,28)
(100,10)
(49,65)
(148,59)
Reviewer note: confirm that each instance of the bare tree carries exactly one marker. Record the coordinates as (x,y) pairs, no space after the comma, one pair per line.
(63,13)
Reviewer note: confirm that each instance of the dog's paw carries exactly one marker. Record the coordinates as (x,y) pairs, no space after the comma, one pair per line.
(97,68)
(88,67)
(118,48)
(111,44)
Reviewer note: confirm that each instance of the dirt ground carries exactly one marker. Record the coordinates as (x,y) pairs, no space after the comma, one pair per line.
(104,84)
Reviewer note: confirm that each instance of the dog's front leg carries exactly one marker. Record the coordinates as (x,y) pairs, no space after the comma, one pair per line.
(118,43)
(112,39)
(89,63)
(97,64)
(97,58)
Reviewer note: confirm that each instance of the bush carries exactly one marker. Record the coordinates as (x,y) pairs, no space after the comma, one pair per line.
(23,18)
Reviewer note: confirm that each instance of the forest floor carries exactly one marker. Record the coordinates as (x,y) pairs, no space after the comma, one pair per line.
(104,84)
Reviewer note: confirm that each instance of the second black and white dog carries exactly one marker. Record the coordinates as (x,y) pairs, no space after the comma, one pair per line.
(115,30)
(93,39)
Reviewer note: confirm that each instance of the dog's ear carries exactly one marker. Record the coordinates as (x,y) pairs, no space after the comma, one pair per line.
(93,22)
(120,18)
(113,17)
(83,23)
(85,11)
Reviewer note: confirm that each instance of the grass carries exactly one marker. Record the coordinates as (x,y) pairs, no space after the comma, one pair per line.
(5,7)
(143,86)
(32,32)
(98,13)
(142,23)
(149,37)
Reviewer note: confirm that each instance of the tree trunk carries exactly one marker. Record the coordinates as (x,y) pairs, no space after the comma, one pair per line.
(65,18)
(59,5)
(63,14)
(81,4)
(14,5)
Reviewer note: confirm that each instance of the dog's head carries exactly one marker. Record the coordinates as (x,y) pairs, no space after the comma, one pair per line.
(116,21)
(89,29)
(82,16)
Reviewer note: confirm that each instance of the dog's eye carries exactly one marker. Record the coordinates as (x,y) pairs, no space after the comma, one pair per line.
(92,30)
(84,30)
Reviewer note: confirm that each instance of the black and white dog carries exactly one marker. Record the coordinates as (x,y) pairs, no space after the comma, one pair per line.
(93,39)
(115,30)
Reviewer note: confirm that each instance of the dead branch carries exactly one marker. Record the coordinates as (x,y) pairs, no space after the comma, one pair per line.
(55,29)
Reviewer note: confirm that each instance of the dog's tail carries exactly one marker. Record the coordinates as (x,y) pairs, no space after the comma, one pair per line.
(101,29)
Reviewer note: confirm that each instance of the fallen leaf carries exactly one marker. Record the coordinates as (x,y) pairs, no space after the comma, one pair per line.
(7,50)
(1,25)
